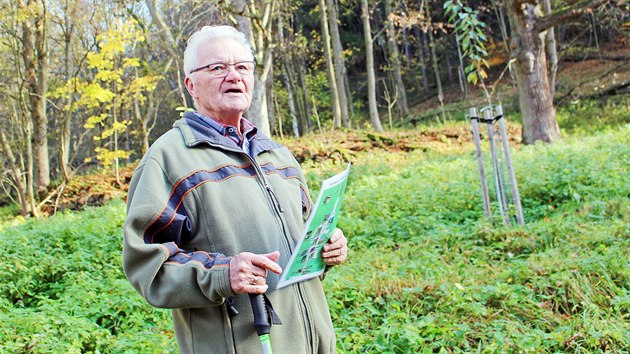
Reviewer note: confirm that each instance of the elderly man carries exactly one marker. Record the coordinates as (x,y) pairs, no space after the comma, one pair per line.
(215,209)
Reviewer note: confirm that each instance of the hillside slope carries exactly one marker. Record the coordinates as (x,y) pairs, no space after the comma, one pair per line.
(591,77)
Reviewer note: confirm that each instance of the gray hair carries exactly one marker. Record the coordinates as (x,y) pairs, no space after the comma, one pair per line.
(207,34)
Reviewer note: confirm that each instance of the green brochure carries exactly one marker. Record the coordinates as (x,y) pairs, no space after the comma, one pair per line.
(306,261)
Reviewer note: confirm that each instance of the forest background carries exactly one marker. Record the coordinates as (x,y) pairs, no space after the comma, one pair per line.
(87,86)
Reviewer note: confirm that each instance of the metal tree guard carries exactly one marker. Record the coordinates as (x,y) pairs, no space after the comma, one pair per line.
(500,183)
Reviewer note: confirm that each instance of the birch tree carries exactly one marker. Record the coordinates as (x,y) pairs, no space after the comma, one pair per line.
(330,67)
(338,60)
(552,53)
(35,59)
(255,19)
(16,124)
(369,59)
(394,60)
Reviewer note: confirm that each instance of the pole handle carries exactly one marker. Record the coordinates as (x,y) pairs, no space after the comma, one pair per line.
(261,317)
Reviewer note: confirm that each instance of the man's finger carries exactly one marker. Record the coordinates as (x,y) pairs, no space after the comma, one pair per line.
(265,262)
(274,256)
(256,289)
(336,235)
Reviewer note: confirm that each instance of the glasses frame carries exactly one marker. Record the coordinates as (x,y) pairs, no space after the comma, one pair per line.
(233,65)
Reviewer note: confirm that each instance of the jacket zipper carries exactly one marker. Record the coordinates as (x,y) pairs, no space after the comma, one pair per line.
(274,197)
(279,211)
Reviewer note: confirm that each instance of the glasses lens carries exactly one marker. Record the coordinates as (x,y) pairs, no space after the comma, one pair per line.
(244,68)
(218,69)
(222,69)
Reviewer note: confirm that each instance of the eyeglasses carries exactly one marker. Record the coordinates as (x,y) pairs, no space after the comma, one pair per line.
(244,68)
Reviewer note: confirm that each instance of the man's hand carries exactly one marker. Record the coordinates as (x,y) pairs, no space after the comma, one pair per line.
(336,250)
(248,271)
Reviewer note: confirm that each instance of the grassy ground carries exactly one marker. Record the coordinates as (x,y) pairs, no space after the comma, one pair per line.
(426,273)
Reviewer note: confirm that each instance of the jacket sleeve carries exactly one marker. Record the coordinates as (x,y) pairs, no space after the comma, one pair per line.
(156,225)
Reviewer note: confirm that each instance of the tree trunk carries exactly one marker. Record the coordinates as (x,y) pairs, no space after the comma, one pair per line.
(255,20)
(66,115)
(422,54)
(330,68)
(29,168)
(36,70)
(346,87)
(16,174)
(436,68)
(552,53)
(296,106)
(340,65)
(367,35)
(288,85)
(271,111)
(258,112)
(535,101)
(449,66)
(171,45)
(305,118)
(407,46)
(394,61)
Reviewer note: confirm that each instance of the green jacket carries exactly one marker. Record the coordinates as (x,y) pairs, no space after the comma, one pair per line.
(194,201)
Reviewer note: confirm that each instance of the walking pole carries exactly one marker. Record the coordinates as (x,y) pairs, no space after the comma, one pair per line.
(508,161)
(264,317)
(474,121)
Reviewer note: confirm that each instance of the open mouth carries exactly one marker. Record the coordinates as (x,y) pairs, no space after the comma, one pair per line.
(234,90)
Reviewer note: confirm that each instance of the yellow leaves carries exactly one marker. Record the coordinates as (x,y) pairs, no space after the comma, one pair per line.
(110,75)
(108,157)
(98,61)
(131,62)
(118,126)
(144,83)
(121,126)
(95,95)
(92,121)
(113,88)
(114,44)
(347,53)
(483,73)
(119,37)
(28,12)
(139,86)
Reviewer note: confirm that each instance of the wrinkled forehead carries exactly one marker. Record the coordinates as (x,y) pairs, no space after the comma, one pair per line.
(224,50)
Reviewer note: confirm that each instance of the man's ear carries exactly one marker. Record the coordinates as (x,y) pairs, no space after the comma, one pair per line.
(190,86)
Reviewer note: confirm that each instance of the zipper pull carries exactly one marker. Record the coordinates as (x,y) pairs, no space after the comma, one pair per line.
(229,303)
(275,198)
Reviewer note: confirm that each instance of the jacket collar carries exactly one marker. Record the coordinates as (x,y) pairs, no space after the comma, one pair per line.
(196,132)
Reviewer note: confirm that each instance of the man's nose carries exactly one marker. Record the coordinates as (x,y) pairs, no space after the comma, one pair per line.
(232,74)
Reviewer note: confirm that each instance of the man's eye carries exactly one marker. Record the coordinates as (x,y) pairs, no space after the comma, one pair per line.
(242,67)
(219,67)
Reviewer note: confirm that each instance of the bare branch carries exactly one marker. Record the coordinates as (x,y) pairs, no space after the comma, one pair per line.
(552,20)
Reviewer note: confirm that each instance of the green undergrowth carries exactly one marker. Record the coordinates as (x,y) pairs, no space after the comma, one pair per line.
(426,273)
(584,117)
(63,289)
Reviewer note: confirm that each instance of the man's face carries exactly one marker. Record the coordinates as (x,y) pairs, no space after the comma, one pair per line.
(222,98)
